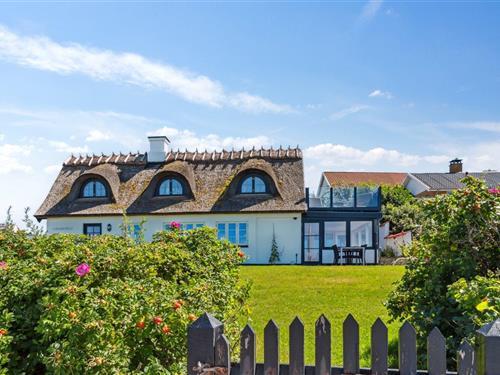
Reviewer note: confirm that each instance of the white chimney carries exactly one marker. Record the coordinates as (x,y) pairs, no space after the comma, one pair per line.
(158,148)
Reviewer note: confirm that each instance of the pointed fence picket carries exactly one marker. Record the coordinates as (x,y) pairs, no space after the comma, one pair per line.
(209,350)
(296,335)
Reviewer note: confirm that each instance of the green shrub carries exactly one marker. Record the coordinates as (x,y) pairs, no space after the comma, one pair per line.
(453,265)
(128,314)
(401,209)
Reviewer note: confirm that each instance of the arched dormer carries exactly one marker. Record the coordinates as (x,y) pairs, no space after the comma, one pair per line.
(91,186)
(169,184)
(94,188)
(254,182)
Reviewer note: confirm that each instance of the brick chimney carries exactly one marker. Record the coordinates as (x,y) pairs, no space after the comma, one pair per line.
(456,165)
(158,148)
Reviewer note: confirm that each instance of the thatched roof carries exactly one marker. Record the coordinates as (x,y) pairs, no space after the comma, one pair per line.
(211,178)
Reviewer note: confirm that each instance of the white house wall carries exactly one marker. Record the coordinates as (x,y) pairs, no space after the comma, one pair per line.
(260,227)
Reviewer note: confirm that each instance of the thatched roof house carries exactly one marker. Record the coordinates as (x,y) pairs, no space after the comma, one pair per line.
(210,178)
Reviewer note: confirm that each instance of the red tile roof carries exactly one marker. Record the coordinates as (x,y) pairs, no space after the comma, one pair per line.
(396,235)
(360,178)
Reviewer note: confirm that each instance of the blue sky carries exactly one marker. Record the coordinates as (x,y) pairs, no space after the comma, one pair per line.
(371,86)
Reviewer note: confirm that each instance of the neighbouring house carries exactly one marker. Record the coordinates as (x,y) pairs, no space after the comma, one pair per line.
(432,184)
(330,179)
(247,195)
(345,212)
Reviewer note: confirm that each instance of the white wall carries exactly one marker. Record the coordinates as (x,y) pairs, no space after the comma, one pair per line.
(396,244)
(287,229)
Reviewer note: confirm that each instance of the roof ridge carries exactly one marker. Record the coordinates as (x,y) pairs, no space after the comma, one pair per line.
(192,156)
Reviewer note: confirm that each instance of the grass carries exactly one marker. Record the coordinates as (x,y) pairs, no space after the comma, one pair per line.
(283,292)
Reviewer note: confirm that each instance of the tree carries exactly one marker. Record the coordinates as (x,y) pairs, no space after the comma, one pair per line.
(401,209)
(275,254)
(453,266)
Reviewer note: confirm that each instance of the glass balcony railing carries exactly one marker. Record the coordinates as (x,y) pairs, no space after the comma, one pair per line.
(361,197)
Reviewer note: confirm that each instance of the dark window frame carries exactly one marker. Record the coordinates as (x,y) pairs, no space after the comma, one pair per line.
(261,176)
(171,179)
(89,225)
(94,196)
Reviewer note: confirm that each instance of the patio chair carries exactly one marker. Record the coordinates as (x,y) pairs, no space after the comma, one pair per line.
(336,254)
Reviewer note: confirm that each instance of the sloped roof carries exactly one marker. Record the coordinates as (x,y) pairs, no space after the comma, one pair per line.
(451,181)
(361,178)
(209,176)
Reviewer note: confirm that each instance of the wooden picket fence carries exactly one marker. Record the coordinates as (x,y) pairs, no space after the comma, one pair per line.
(209,350)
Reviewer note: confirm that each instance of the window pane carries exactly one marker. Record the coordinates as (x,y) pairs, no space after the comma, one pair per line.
(92,230)
(187,226)
(199,225)
(137,231)
(311,229)
(361,233)
(260,186)
(343,197)
(246,186)
(176,187)
(231,232)
(221,231)
(100,190)
(367,196)
(335,233)
(242,227)
(164,188)
(88,190)
(311,242)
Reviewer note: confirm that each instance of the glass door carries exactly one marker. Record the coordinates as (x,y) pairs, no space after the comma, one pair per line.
(311,242)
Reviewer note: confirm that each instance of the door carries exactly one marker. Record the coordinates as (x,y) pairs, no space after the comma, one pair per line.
(311,242)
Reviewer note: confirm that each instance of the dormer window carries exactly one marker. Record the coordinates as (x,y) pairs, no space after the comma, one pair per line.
(94,189)
(170,187)
(253,185)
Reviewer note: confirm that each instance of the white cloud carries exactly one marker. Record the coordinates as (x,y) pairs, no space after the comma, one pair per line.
(42,53)
(186,139)
(370,9)
(61,146)
(380,94)
(52,169)
(337,157)
(98,135)
(348,111)
(491,126)
(10,156)
(2,137)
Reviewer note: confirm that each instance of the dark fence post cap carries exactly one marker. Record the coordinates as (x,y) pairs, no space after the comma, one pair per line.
(490,329)
(205,321)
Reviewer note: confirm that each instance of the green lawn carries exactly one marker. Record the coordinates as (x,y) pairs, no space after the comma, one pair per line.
(283,292)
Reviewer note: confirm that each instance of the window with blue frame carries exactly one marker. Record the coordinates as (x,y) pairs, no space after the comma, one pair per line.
(236,233)
(184,226)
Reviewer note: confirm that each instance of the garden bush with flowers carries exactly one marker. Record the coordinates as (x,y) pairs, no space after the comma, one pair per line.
(452,279)
(106,304)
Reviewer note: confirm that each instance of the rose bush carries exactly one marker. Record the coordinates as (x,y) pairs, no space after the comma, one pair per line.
(78,304)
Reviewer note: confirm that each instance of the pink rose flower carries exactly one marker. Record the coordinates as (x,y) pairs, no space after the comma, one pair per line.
(82,269)
(175,225)
(494,191)
(3,265)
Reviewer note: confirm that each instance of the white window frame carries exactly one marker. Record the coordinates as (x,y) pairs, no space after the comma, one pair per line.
(226,231)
